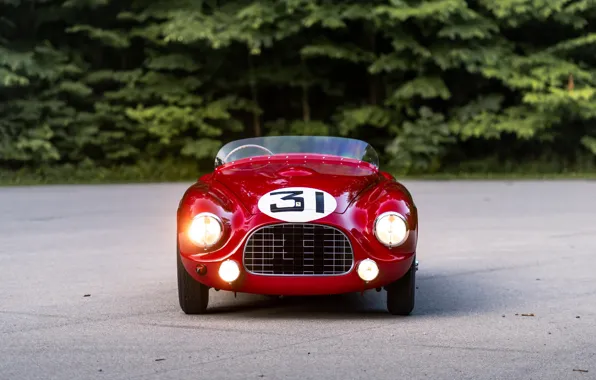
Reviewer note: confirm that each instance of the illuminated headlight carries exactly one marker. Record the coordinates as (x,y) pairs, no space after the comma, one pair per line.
(205,230)
(368,270)
(229,271)
(391,229)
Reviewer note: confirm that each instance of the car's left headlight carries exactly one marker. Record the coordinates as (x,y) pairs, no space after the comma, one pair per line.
(391,229)
(205,230)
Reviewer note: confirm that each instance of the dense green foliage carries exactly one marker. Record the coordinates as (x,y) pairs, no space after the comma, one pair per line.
(430,83)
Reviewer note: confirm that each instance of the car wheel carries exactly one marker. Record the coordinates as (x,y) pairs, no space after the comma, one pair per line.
(193,296)
(401,294)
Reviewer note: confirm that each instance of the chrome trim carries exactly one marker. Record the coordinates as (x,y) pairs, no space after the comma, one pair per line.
(221,226)
(347,239)
(399,216)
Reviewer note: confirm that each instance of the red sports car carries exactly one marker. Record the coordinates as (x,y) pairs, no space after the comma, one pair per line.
(297,215)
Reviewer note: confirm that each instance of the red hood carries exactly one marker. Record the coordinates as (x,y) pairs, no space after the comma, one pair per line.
(250,181)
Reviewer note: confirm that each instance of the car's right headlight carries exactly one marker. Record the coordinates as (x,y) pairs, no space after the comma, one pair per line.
(391,229)
(205,230)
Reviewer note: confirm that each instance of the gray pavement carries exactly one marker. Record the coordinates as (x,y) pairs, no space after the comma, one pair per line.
(489,252)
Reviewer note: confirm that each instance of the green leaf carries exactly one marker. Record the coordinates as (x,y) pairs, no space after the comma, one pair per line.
(346,52)
(522,121)
(391,62)
(479,28)
(124,77)
(350,119)
(440,10)
(424,87)
(82,4)
(572,44)
(420,144)
(200,148)
(74,88)
(113,38)
(172,62)
(298,128)
(9,79)
(589,142)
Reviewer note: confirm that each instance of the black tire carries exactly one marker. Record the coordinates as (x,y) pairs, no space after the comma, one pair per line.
(401,294)
(193,296)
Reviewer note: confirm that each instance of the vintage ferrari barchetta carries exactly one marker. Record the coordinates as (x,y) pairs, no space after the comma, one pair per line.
(297,215)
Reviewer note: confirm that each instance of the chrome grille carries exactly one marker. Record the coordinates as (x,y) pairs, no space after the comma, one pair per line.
(296,249)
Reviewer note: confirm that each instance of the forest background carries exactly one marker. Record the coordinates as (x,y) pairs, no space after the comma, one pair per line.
(149,90)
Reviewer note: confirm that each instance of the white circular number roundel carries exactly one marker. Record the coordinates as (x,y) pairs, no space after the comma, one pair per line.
(297,204)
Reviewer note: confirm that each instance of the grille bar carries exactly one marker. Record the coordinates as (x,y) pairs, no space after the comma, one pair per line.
(298,249)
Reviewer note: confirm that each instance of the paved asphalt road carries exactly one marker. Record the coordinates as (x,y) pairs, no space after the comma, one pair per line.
(489,252)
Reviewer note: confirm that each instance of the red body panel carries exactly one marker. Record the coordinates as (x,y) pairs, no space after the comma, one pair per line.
(343,179)
(361,191)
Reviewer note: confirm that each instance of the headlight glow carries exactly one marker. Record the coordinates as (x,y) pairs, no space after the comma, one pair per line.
(229,271)
(391,229)
(368,270)
(205,230)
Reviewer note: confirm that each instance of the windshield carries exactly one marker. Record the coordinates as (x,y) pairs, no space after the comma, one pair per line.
(271,145)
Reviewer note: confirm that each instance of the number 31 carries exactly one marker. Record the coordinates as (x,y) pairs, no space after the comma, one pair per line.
(298,201)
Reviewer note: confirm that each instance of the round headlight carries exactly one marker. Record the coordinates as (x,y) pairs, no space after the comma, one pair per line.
(205,230)
(391,229)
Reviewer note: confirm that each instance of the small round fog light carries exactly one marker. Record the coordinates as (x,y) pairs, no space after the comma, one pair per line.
(368,270)
(229,271)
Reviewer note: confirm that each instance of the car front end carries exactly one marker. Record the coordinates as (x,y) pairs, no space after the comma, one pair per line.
(368,246)
(297,222)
